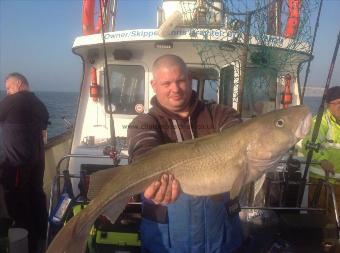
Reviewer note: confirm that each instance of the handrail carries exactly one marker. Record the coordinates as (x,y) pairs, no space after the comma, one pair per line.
(120,156)
(78,156)
(300,208)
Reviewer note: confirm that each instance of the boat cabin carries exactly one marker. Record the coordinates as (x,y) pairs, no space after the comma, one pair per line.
(228,67)
(232,62)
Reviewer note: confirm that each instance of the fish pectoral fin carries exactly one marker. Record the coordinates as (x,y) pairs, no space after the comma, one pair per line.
(258,185)
(113,210)
(100,178)
(237,185)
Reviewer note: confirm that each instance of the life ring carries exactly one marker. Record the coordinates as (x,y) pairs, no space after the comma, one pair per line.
(88,17)
(293,20)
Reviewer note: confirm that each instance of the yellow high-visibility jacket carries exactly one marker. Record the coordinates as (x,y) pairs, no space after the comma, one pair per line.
(329,138)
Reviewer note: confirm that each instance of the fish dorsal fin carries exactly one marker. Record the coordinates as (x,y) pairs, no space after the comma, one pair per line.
(100,178)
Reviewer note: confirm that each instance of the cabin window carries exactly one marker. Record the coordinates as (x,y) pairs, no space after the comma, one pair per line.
(126,88)
(207,90)
(205,83)
(259,95)
(195,85)
(259,91)
(210,93)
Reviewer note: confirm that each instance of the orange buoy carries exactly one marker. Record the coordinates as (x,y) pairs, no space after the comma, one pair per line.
(94,87)
(293,20)
(88,17)
(287,96)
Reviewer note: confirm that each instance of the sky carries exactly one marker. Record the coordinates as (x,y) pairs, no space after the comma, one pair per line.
(36,38)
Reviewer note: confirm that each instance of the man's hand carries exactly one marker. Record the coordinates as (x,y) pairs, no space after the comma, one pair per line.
(164,191)
(327,166)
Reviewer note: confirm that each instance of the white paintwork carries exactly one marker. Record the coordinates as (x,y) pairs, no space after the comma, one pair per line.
(185,34)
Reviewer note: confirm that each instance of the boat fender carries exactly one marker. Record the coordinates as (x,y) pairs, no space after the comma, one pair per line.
(287,97)
(293,20)
(170,24)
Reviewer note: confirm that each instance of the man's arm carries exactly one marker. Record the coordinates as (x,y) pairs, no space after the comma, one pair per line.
(224,117)
(44,136)
(144,134)
(43,113)
(4,107)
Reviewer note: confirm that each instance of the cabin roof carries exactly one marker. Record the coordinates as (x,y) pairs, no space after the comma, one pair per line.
(190,35)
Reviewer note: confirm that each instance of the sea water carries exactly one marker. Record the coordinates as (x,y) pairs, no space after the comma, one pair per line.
(60,106)
(313,103)
(64,105)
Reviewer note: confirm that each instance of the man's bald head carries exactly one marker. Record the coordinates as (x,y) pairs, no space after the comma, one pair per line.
(172,84)
(169,61)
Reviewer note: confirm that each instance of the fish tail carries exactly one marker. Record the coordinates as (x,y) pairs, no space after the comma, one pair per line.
(69,240)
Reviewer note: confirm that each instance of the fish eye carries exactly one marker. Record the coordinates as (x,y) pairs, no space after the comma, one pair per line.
(280,123)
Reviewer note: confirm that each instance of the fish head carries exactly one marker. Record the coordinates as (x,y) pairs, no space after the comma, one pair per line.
(273,134)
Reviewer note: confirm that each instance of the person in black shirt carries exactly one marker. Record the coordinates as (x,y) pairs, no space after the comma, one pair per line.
(24,119)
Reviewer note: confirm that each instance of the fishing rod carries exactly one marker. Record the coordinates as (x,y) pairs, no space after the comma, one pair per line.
(111,151)
(312,145)
(302,94)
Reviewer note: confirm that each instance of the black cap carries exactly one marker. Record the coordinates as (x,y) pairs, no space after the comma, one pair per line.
(333,93)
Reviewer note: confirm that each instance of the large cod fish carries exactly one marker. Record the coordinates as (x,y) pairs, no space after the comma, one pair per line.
(205,166)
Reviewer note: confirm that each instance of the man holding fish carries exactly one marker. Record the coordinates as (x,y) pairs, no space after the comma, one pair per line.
(186,205)
(174,221)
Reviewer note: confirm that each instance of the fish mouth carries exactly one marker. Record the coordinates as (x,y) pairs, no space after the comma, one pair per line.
(264,164)
(256,167)
(304,126)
